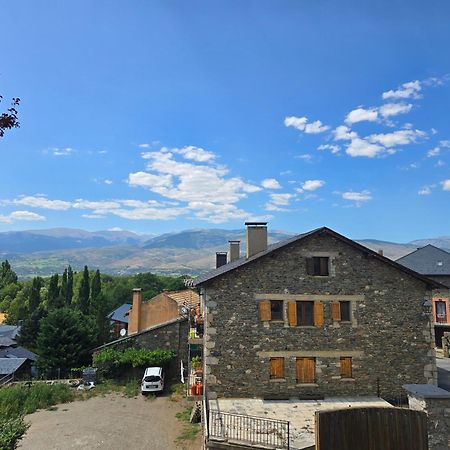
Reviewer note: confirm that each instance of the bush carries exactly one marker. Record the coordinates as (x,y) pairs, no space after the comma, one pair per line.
(114,362)
(11,430)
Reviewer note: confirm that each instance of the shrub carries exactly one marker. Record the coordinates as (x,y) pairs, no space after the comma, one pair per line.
(11,430)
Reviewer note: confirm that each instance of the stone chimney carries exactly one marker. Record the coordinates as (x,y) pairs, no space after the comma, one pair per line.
(256,237)
(221,259)
(135,316)
(380,252)
(235,250)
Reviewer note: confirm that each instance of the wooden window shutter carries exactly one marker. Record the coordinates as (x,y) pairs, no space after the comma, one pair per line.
(324,266)
(335,312)
(264,310)
(318,314)
(346,367)
(310,266)
(276,368)
(306,370)
(292,314)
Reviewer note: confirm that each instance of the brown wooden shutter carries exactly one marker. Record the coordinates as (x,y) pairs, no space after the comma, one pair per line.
(292,314)
(324,266)
(276,368)
(306,370)
(335,312)
(346,367)
(310,266)
(264,310)
(318,314)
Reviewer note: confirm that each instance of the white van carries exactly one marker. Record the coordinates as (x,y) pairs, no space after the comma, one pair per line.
(153,380)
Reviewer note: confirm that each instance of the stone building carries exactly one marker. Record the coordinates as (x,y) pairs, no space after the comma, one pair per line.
(315,316)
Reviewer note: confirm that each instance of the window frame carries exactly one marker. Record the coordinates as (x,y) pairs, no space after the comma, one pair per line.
(318,266)
(303,303)
(281,313)
(307,360)
(349,305)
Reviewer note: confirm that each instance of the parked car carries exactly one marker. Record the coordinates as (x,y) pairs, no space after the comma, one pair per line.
(153,380)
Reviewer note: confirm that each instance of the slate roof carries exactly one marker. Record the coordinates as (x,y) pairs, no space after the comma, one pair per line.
(121,313)
(10,365)
(18,352)
(6,341)
(428,260)
(10,331)
(279,245)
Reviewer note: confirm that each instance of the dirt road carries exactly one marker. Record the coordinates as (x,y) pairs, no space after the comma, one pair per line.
(112,422)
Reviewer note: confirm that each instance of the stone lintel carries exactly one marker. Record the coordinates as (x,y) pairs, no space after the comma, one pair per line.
(310,353)
(313,297)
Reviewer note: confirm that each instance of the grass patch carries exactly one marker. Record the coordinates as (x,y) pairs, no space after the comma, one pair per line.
(130,388)
(190,430)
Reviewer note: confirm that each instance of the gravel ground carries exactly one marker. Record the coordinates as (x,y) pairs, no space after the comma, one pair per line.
(112,422)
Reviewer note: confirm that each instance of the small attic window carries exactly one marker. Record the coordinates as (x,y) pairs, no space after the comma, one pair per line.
(440,263)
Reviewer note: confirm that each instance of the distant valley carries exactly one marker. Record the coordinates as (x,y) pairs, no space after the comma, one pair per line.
(44,252)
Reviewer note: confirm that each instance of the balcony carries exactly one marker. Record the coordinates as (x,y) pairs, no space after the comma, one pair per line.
(441,318)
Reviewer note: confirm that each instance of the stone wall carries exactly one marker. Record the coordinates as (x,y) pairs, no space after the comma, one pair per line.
(389,337)
(436,403)
(170,336)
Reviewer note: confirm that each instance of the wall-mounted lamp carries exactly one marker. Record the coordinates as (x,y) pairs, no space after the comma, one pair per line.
(427,306)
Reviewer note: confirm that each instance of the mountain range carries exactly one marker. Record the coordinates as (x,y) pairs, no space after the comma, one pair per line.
(44,252)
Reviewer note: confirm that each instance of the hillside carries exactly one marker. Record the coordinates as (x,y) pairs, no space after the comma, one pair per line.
(44,252)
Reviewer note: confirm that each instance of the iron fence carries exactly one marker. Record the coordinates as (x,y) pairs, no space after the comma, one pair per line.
(250,430)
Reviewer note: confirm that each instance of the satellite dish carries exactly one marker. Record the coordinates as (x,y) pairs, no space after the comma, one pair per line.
(123,332)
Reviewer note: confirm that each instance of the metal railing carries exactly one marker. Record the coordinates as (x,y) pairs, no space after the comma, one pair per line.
(256,431)
(6,379)
(441,318)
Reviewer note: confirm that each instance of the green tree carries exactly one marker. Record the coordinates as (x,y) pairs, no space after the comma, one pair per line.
(18,308)
(7,275)
(30,328)
(9,118)
(83,292)
(65,339)
(63,290)
(69,292)
(96,286)
(35,294)
(54,296)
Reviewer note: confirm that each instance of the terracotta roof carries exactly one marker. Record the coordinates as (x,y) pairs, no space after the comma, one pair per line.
(189,296)
(323,230)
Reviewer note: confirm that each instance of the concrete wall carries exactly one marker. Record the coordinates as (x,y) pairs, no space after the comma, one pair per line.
(389,337)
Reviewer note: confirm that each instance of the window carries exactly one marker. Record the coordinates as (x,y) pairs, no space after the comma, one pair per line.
(318,266)
(306,370)
(305,313)
(276,368)
(345,311)
(271,310)
(440,308)
(346,367)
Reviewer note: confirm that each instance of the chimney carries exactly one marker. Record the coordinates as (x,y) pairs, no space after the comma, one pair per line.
(380,252)
(235,250)
(136,311)
(256,237)
(221,259)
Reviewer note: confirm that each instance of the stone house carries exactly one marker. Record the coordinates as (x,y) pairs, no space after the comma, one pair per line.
(317,315)
(435,264)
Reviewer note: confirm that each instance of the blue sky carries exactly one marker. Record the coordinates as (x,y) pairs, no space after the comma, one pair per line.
(157,116)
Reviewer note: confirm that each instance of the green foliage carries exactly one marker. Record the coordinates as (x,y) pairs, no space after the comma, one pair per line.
(114,362)
(7,275)
(190,430)
(35,294)
(96,286)
(54,296)
(65,338)
(30,328)
(196,362)
(69,291)
(11,431)
(83,292)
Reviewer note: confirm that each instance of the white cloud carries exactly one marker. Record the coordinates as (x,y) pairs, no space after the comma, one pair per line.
(393,109)
(279,202)
(344,133)
(334,149)
(103,152)
(445,143)
(312,185)
(195,154)
(305,157)
(446,185)
(149,180)
(41,202)
(358,197)
(115,229)
(301,124)
(62,151)
(439,163)
(145,145)
(106,181)
(360,147)
(399,137)
(93,216)
(426,190)
(433,152)
(270,183)
(406,90)
(20,216)
(361,115)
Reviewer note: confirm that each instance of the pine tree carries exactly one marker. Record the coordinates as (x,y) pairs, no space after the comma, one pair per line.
(7,275)
(96,286)
(83,292)
(54,300)
(63,290)
(30,328)
(69,294)
(35,294)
